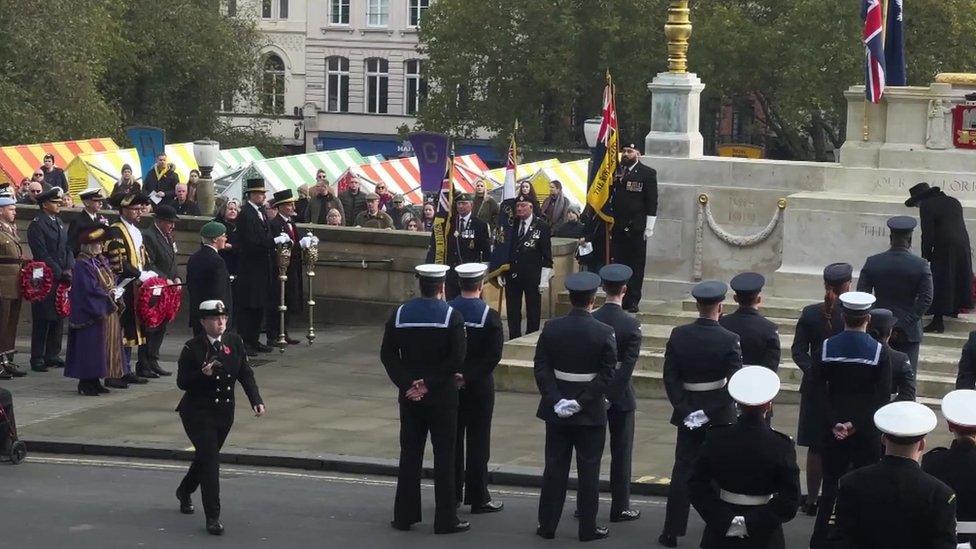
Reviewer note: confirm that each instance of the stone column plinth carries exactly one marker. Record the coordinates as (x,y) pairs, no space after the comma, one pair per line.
(675,105)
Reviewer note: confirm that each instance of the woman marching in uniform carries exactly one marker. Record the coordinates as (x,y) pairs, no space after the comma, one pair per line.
(209,366)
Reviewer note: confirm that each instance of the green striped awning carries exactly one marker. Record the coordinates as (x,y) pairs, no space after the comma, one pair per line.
(290,172)
(231,160)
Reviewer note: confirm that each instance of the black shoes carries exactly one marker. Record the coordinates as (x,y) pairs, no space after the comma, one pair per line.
(600,533)
(292,341)
(624,516)
(809,508)
(543,534)
(214,527)
(261,348)
(116,383)
(56,363)
(99,387)
(667,540)
(146,373)
(398,526)
(186,504)
(133,379)
(250,350)
(159,371)
(487,507)
(11,370)
(937,326)
(632,309)
(460,526)
(38,368)
(87,389)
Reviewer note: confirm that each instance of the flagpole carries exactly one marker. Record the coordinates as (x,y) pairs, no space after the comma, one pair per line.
(884,24)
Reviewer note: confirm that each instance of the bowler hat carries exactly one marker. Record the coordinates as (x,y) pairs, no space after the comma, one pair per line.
(165,212)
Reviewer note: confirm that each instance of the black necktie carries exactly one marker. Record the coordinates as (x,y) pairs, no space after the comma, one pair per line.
(522,231)
(217,346)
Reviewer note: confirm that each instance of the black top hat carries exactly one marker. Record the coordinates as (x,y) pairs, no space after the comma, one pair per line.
(166,213)
(920,192)
(283,197)
(255,185)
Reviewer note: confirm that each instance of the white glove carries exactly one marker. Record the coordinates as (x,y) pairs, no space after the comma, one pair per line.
(696,419)
(117,293)
(305,242)
(649,228)
(738,528)
(146,275)
(501,280)
(281,239)
(966,545)
(544,278)
(566,408)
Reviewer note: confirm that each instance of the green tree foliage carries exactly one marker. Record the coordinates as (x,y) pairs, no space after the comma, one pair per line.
(72,69)
(542,61)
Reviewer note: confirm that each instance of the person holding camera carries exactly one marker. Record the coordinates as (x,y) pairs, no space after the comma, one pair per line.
(209,366)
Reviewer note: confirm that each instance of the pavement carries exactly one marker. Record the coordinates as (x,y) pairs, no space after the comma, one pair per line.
(331,406)
(55,501)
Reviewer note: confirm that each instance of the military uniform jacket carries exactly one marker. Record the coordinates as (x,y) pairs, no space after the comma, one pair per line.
(893,505)
(254,281)
(634,198)
(956,466)
(470,244)
(48,241)
(701,352)
(206,279)
(758,336)
(81,222)
(161,252)
(902,282)
(854,377)
(294,284)
(966,377)
(127,262)
(485,337)
(424,339)
(747,458)
(902,376)
(575,344)
(11,260)
(216,392)
(627,332)
(531,252)
(813,327)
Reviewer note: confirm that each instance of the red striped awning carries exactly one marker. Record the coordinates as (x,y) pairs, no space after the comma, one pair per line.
(402,175)
(20,161)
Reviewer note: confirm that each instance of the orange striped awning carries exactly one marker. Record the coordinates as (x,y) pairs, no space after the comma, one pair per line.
(20,161)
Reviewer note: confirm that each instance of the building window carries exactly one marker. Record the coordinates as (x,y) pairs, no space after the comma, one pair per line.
(273,86)
(416,87)
(339,12)
(266,9)
(377,13)
(283,9)
(231,8)
(417,9)
(337,84)
(377,85)
(227,102)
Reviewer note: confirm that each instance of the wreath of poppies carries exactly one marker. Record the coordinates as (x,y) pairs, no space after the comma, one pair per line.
(35,289)
(61,302)
(158,302)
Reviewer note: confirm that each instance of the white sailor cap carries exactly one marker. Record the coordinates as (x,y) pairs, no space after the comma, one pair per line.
(212,307)
(959,407)
(432,270)
(7,200)
(857,301)
(905,419)
(471,270)
(754,385)
(92,192)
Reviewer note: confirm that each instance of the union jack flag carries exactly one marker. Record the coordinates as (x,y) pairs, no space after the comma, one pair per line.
(874,61)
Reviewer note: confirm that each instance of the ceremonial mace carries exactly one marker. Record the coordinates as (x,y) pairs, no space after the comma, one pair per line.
(284,259)
(309,256)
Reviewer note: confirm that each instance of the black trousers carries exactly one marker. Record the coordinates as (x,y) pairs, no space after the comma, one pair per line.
(561,440)
(45,341)
(686,451)
(910,349)
(476,403)
(416,420)
(621,448)
(207,430)
(839,457)
(515,288)
(148,355)
(272,324)
(452,286)
(630,249)
(249,323)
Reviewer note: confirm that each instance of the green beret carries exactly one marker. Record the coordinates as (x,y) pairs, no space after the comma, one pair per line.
(213,230)
(464,197)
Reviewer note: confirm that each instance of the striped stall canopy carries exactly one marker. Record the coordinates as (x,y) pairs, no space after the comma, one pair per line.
(572,175)
(290,172)
(105,168)
(20,161)
(231,160)
(374,159)
(528,169)
(402,175)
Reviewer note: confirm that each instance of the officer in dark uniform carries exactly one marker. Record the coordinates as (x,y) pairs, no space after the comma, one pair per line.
(758,335)
(746,483)
(698,360)
(88,218)
(423,348)
(476,395)
(817,322)
(575,360)
(956,465)
(634,206)
(209,366)
(894,504)
(206,273)
(902,282)
(966,375)
(902,376)
(468,241)
(623,403)
(530,268)
(853,374)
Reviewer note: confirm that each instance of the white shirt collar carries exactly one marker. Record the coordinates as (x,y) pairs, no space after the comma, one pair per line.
(528,221)
(212,340)
(214,248)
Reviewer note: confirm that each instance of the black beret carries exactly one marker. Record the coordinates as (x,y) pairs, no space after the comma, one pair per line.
(710,291)
(582,282)
(882,319)
(838,273)
(615,273)
(747,283)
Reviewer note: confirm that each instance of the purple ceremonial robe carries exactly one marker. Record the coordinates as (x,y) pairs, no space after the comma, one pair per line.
(87,356)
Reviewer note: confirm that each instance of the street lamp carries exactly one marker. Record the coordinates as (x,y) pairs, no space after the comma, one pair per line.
(591,131)
(205,153)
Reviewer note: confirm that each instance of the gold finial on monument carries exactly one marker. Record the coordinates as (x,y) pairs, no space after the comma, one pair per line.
(678,31)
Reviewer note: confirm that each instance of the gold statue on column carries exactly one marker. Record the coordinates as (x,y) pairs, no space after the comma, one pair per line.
(678,32)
